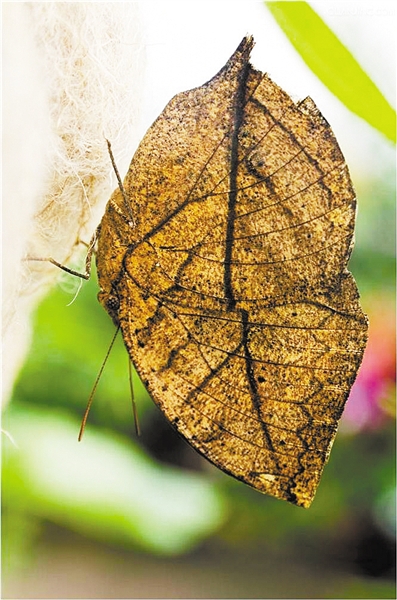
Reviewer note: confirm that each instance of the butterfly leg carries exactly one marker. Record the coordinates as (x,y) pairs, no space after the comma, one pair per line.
(88,259)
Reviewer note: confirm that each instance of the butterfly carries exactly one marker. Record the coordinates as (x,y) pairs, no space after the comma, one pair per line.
(223,259)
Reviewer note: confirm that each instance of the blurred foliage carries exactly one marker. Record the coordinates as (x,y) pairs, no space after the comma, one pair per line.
(373,263)
(154,494)
(334,65)
(106,488)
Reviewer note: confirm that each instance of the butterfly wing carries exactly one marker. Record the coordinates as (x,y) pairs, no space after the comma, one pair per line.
(235,301)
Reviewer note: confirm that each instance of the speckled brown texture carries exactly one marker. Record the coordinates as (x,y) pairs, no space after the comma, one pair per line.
(232,290)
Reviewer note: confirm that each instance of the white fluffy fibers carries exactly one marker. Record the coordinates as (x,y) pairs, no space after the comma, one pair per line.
(72,76)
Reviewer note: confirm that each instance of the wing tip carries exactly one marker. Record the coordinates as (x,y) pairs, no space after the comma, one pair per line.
(243,50)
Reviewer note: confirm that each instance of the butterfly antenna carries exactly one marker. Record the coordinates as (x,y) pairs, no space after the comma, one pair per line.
(90,399)
(121,187)
(134,409)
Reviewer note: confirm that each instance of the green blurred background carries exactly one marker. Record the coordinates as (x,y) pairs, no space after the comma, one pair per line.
(120,517)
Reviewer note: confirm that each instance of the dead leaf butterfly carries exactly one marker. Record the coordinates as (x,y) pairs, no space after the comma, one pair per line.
(223,259)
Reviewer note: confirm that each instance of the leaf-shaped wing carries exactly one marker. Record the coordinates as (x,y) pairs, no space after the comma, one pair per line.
(234,299)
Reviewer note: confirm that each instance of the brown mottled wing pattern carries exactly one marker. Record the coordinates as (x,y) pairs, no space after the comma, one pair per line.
(232,291)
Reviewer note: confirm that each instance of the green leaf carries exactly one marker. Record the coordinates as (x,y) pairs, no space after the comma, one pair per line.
(334,65)
(105,488)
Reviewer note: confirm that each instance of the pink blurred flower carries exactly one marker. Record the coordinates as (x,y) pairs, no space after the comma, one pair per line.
(367,407)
